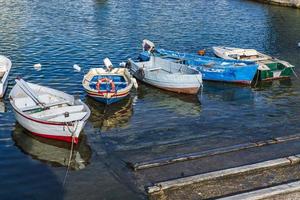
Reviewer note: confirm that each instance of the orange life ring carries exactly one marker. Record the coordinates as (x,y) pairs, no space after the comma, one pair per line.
(102,80)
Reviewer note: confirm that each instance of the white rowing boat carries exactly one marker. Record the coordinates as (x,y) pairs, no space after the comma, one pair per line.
(167,75)
(232,53)
(5,66)
(48,113)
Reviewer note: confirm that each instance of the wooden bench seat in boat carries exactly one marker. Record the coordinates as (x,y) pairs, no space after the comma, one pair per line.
(57,111)
(71,117)
(46,105)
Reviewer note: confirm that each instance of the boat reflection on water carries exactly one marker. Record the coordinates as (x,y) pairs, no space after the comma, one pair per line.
(275,83)
(228,93)
(55,153)
(182,104)
(2,106)
(107,117)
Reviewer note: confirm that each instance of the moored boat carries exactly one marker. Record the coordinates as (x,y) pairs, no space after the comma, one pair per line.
(212,69)
(5,66)
(108,85)
(269,68)
(48,113)
(167,75)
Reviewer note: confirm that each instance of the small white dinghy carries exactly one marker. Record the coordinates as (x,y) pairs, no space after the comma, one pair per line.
(5,66)
(232,53)
(167,75)
(48,113)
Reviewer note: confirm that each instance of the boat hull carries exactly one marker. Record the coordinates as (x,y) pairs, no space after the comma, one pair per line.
(192,90)
(184,90)
(241,75)
(51,130)
(4,79)
(3,87)
(275,73)
(104,99)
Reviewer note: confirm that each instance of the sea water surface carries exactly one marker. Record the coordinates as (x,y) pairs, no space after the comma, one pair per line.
(150,123)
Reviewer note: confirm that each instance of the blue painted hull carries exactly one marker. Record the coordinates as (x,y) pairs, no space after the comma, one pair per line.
(212,69)
(108,101)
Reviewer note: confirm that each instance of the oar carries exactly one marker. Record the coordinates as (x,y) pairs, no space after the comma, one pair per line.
(24,86)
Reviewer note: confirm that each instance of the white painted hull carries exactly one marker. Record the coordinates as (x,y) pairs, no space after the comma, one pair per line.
(4,79)
(3,88)
(50,130)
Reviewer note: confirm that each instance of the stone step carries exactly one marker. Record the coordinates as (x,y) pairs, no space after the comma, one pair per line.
(229,181)
(289,191)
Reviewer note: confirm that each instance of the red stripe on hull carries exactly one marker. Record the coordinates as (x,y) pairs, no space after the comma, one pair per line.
(41,122)
(56,137)
(103,96)
(276,78)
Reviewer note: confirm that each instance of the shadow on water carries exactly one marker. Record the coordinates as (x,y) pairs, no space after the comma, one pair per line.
(2,106)
(106,117)
(228,92)
(266,85)
(55,153)
(182,104)
(100,2)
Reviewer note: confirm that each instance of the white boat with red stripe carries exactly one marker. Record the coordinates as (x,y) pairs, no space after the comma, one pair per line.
(47,112)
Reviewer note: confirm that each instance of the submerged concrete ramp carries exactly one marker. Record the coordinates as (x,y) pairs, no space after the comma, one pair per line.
(289,191)
(228,182)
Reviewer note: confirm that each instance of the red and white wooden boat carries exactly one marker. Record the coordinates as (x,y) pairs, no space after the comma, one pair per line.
(48,113)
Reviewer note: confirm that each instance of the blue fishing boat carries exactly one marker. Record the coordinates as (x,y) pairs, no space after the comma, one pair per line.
(212,69)
(108,85)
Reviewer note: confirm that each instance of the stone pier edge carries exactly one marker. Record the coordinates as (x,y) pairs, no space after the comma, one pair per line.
(160,186)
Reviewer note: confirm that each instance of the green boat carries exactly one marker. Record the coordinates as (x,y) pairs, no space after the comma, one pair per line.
(269,68)
(274,69)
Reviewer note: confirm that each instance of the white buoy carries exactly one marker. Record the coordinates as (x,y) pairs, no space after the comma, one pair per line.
(299,44)
(135,84)
(122,64)
(37,66)
(77,67)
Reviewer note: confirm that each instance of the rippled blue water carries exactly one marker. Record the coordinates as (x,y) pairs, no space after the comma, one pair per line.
(151,123)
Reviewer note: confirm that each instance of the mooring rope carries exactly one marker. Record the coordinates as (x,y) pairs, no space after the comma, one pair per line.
(71,150)
(295,73)
(257,77)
